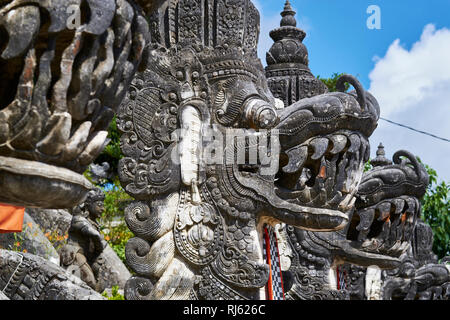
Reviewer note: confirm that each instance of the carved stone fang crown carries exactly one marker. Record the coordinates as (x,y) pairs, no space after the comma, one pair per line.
(65,72)
(387,205)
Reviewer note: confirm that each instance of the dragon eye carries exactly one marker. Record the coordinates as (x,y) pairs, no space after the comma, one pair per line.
(180,75)
(172,96)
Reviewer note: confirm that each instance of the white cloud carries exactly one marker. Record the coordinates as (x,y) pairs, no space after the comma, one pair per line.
(413,88)
(405,77)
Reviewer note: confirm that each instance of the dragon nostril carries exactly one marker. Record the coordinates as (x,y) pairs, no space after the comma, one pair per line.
(259,114)
(267,118)
(180,75)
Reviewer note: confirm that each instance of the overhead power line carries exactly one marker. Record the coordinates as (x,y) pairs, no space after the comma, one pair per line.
(419,131)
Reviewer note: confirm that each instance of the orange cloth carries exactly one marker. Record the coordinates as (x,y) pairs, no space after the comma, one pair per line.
(11,218)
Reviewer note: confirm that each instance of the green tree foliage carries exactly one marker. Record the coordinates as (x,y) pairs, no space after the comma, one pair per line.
(112,153)
(112,222)
(436,212)
(368,166)
(115,294)
(331,82)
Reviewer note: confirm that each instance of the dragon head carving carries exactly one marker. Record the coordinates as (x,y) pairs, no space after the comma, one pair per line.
(209,155)
(388,206)
(380,231)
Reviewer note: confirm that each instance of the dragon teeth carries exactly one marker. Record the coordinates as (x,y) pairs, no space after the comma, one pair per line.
(355,143)
(297,157)
(320,146)
(339,142)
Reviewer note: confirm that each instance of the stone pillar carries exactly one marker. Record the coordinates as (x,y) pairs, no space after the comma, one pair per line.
(373,283)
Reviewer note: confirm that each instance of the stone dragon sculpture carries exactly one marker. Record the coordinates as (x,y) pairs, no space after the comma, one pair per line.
(198,221)
(419,276)
(380,229)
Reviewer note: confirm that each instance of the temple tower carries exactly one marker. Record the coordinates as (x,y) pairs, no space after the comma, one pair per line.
(287,71)
(380,159)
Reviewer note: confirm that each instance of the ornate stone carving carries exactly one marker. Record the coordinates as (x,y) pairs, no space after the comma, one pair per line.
(287,70)
(211,156)
(419,276)
(380,230)
(87,254)
(32,240)
(390,234)
(388,204)
(64,73)
(202,103)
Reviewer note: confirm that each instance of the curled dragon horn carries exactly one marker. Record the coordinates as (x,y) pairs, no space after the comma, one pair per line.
(418,167)
(361,93)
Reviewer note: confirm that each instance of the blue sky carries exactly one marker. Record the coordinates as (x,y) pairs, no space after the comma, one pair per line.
(406,63)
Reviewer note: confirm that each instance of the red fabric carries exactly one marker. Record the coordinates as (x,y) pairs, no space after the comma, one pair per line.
(269,292)
(11,218)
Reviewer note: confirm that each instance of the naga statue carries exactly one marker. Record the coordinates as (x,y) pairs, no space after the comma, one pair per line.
(214,160)
(379,232)
(419,276)
(332,265)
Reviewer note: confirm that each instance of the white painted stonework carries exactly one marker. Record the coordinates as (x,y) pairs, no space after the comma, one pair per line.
(373,283)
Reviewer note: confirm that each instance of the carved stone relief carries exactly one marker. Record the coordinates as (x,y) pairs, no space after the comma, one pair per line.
(196,218)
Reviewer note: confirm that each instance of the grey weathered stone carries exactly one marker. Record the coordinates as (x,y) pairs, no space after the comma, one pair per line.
(199,225)
(25,276)
(287,71)
(31,239)
(53,222)
(99,172)
(379,232)
(32,183)
(396,187)
(420,276)
(3,296)
(113,270)
(200,221)
(87,254)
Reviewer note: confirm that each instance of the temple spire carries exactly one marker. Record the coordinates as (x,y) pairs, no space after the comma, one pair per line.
(287,71)
(380,159)
(288,15)
(288,33)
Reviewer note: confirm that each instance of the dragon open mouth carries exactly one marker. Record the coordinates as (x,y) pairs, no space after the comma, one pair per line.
(323,171)
(387,208)
(385,228)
